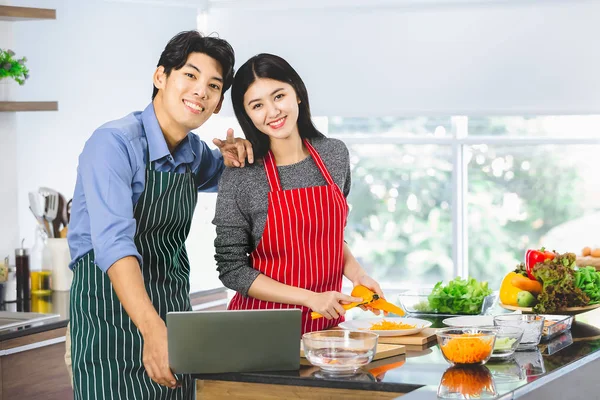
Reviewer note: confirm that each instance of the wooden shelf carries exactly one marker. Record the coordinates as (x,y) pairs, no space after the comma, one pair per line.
(10,13)
(16,106)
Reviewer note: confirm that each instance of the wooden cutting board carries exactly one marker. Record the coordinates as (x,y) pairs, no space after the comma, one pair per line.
(425,336)
(382,351)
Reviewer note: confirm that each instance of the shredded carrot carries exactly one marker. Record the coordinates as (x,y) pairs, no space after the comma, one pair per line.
(467,349)
(390,326)
(467,381)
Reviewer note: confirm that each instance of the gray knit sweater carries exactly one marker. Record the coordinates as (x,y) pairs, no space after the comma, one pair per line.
(242,205)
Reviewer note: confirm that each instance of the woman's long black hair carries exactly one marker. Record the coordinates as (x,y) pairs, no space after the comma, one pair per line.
(271,67)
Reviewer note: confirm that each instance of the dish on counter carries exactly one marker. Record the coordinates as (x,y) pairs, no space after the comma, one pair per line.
(565,311)
(532,326)
(469,321)
(458,297)
(365,325)
(554,325)
(466,346)
(508,339)
(550,283)
(338,351)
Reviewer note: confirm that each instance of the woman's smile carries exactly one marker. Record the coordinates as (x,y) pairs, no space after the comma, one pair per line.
(278,123)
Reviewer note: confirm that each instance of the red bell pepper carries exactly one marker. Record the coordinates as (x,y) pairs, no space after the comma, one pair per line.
(533,257)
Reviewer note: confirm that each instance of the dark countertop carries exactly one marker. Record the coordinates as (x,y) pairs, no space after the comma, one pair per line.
(421,373)
(60,306)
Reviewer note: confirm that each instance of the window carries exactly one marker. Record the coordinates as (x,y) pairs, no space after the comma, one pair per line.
(433,198)
(523,196)
(400,224)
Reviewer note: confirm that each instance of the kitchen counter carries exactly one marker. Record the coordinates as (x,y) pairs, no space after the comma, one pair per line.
(32,357)
(554,370)
(206,299)
(60,306)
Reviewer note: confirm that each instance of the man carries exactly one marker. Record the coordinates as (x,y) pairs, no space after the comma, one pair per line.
(135,195)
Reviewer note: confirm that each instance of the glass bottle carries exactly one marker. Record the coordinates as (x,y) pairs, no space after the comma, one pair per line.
(41,275)
(22,265)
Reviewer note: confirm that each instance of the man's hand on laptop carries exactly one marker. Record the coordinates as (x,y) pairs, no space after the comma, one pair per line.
(156,355)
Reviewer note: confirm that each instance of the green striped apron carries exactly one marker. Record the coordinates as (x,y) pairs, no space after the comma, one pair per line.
(106,347)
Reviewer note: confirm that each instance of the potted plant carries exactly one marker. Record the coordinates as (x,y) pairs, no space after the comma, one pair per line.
(11,69)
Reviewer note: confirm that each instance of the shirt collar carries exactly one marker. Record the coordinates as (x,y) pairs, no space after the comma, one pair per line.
(157,145)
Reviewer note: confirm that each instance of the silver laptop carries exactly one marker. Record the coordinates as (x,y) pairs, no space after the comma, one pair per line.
(234,341)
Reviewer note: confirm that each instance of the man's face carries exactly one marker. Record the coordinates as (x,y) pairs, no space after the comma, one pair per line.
(190,95)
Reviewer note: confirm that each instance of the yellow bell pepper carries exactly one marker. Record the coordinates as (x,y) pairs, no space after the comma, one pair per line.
(508,292)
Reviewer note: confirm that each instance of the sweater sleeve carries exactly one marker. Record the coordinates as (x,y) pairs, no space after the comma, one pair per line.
(348,174)
(233,241)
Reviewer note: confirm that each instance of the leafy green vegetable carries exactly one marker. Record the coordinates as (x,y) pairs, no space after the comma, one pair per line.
(423,306)
(460,296)
(588,280)
(521,269)
(559,290)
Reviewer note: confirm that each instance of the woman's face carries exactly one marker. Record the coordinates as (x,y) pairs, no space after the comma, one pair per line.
(273,108)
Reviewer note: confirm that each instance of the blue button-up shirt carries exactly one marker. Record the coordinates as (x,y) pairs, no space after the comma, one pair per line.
(111,177)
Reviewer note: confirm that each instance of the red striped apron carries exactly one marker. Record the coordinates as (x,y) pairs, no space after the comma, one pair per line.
(302,243)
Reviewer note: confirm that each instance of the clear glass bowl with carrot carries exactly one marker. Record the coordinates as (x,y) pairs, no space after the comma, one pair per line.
(466,346)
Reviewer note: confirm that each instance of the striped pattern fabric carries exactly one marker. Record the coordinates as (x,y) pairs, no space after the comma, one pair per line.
(302,243)
(106,347)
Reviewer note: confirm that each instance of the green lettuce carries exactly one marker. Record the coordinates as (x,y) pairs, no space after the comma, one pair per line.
(459,296)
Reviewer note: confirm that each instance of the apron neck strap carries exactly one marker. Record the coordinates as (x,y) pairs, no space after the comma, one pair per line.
(317,158)
(273,173)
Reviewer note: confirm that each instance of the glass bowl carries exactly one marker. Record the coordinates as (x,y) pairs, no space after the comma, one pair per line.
(466,346)
(339,351)
(531,324)
(508,339)
(417,302)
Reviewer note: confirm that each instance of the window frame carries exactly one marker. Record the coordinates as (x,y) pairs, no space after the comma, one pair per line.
(459,140)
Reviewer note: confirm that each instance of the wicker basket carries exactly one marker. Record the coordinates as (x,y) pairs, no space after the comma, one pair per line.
(588,260)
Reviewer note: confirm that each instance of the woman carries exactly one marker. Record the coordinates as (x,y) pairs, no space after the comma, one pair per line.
(280,224)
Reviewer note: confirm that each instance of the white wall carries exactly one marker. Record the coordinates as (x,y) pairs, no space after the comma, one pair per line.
(9,237)
(428,57)
(97,60)
(474,57)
